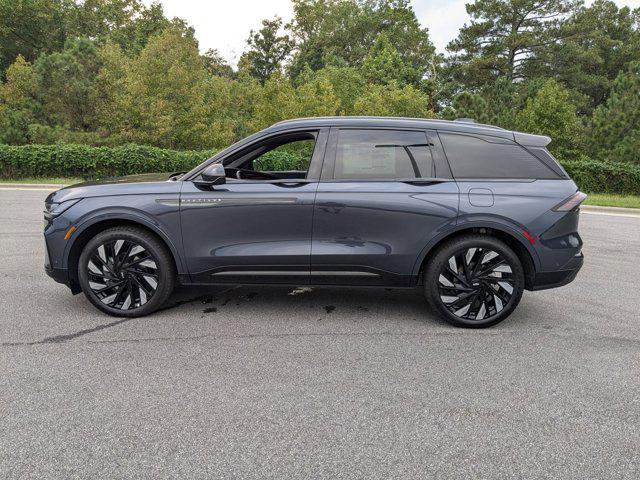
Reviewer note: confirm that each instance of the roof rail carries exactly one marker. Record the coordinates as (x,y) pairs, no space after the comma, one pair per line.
(468,121)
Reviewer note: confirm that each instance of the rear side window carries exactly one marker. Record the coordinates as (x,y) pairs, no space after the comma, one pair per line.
(382,154)
(476,156)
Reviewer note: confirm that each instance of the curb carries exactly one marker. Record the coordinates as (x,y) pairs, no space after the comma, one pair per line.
(598,209)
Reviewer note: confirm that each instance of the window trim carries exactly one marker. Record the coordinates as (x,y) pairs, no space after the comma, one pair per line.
(329,165)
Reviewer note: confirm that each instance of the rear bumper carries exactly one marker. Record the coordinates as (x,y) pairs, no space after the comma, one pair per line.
(558,278)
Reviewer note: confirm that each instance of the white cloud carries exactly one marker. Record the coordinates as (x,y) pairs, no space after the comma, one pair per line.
(225,25)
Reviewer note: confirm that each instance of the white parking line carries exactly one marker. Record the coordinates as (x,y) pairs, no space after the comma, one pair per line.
(607,214)
(31,188)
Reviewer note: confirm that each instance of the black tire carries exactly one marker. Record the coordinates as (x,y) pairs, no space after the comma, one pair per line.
(124,263)
(479,280)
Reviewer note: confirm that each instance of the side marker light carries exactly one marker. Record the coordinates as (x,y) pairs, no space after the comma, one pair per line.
(69,232)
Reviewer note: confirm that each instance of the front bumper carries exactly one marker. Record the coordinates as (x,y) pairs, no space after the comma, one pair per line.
(60,275)
(558,278)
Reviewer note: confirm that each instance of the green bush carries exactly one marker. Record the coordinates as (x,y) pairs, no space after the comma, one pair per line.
(92,162)
(277,161)
(605,177)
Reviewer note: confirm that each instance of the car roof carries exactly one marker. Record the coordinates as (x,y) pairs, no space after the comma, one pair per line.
(461,126)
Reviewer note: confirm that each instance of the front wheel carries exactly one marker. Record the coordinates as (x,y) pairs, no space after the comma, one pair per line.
(474,281)
(126,272)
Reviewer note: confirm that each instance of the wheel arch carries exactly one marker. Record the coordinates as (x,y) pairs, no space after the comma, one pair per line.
(528,257)
(92,228)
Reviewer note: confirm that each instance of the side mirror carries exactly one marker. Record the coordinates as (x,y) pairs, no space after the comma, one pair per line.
(212,175)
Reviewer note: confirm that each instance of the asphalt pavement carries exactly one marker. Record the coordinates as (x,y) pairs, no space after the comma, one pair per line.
(275,382)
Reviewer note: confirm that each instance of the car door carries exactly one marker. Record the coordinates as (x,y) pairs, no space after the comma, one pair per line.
(253,230)
(383,194)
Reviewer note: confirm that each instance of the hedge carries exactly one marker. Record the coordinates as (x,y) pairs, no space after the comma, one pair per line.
(82,161)
(605,177)
(87,162)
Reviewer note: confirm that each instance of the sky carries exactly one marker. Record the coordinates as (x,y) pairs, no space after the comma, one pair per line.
(226,24)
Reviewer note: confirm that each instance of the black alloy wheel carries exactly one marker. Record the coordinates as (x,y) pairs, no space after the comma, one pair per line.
(475,281)
(126,271)
(122,274)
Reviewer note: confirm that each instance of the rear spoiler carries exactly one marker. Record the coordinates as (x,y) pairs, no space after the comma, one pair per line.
(530,140)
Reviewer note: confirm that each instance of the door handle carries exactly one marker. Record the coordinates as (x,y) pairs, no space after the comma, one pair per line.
(424,181)
(290,184)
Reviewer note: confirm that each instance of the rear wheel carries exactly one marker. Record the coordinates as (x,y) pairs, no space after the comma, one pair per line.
(126,272)
(474,281)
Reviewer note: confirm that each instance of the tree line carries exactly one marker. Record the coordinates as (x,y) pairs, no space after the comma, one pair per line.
(115,72)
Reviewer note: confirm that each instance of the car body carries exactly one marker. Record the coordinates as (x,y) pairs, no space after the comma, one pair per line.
(379,198)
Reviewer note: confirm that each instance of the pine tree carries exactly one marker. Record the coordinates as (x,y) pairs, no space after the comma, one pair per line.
(615,130)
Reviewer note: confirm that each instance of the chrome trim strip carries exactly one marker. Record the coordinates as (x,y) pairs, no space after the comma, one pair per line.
(336,273)
(236,201)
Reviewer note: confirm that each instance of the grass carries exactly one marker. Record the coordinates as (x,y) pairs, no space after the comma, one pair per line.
(609,200)
(52,180)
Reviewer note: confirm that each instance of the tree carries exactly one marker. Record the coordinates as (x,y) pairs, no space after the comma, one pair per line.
(503,36)
(603,40)
(18,105)
(67,85)
(267,50)
(342,32)
(145,24)
(551,113)
(216,65)
(393,101)
(384,64)
(280,100)
(347,83)
(469,105)
(615,130)
(164,97)
(29,28)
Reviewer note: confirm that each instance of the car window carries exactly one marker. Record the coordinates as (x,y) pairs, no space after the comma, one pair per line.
(293,156)
(382,154)
(475,156)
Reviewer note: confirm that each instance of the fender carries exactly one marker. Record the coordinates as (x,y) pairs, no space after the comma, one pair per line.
(494,222)
(129,214)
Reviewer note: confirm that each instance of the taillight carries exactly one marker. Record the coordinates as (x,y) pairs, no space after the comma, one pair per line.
(571,203)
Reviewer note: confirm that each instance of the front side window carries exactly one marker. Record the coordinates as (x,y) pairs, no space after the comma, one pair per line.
(281,157)
(382,155)
(292,156)
(476,156)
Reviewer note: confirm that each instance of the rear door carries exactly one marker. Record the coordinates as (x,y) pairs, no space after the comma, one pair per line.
(383,194)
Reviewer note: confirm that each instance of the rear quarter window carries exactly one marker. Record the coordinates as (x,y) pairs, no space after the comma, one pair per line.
(479,156)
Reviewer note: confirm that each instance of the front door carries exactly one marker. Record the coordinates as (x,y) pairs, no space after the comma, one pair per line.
(255,228)
(383,194)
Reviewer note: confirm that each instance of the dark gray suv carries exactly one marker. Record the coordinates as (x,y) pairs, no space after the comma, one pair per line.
(474,214)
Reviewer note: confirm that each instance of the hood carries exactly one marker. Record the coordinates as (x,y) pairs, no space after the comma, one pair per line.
(148,183)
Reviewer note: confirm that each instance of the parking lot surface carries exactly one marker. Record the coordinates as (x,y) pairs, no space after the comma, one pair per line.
(275,382)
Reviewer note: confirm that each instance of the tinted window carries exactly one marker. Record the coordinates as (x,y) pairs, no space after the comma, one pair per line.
(486,157)
(382,154)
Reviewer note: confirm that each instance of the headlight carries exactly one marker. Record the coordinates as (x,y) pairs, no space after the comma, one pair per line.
(52,210)
(55,209)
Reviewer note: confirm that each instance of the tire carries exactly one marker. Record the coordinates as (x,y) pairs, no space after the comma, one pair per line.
(468,281)
(117,270)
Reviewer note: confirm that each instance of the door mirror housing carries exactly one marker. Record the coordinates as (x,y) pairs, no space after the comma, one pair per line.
(212,175)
